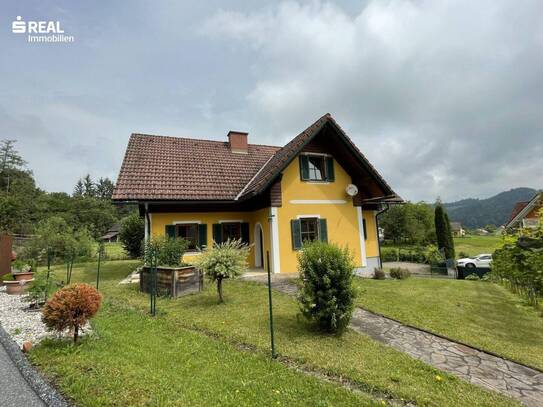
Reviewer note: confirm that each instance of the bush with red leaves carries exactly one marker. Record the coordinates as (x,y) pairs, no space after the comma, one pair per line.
(71,307)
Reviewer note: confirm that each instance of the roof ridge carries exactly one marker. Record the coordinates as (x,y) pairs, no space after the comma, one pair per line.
(197,139)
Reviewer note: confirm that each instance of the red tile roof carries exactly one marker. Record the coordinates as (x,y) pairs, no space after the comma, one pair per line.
(170,168)
(173,168)
(519,206)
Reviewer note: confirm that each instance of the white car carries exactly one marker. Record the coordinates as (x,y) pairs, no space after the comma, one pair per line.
(481,261)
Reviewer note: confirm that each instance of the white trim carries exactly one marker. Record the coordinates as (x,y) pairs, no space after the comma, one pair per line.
(274,239)
(317,182)
(232,221)
(308,216)
(259,255)
(317,201)
(182,222)
(318,154)
(361,235)
(251,180)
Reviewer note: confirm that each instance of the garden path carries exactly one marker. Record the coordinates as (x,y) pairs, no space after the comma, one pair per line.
(480,368)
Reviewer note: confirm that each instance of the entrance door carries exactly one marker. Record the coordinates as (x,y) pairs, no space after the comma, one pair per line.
(259,246)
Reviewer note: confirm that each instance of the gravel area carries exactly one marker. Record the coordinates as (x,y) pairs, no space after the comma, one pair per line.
(22,323)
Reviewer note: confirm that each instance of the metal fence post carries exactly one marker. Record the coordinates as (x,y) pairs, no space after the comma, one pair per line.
(273,353)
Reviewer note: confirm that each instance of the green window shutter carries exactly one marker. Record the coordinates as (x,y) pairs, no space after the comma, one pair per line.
(323,230)
(365,229)
(330,169)
(245,232)
(170,231)
(304,167)
(202,235)
(295,228)
(217,233)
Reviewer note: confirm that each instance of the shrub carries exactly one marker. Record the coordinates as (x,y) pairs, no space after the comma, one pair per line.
(399,273)
(463,255)
(326,291)
(224,260)
(37,291)
(486,277)
(432,255)
(378,274)
(168,251)
(472,277)
(132,233)
(71,307)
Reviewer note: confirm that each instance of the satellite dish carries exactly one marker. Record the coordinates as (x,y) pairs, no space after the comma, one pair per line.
(351,190)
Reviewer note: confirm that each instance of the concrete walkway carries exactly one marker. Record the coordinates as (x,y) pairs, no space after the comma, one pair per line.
(15,390)
(479,368)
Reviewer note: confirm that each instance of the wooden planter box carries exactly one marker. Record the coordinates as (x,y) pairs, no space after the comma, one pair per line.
(173,281)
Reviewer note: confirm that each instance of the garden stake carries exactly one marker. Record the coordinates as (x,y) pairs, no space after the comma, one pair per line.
(100,251)
(273,354)
(48,273)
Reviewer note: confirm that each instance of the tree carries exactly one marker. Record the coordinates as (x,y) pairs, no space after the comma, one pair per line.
(132,233)
(326,285)
(409,223)
(88,187)
(104,188)
(443,231)
(224,260)
(71,307)
(9,157)
(79,189)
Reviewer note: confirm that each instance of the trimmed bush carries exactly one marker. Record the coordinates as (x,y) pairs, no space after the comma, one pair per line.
(71,307)
(326,293)
(169,252)
(224,260)
(379,274)
(132,233)
(399,273)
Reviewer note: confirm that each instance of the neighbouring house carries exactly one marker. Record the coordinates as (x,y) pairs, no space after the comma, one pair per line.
(318,186)
(112,235)
(457,229)
(526,214)
(482,232)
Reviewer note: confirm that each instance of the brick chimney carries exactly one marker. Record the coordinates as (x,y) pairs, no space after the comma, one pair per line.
(238,142)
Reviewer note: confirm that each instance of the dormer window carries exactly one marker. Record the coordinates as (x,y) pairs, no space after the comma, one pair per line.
(316,167)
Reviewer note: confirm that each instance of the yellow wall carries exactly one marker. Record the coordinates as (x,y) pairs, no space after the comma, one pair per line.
(341,219)
(160,220)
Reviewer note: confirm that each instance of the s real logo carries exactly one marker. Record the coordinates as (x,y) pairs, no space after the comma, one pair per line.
(44,31)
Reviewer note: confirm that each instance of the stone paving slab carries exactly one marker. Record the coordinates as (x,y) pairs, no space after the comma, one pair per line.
(482,369)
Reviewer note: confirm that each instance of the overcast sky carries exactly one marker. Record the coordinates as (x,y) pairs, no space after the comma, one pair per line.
(445,98)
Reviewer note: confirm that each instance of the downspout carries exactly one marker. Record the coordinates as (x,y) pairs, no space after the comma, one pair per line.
(147,222)
(387,207)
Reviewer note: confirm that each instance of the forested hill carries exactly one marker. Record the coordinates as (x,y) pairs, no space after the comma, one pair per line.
(476,213)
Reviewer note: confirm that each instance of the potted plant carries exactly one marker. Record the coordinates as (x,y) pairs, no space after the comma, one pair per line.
(22,272)
(17,287)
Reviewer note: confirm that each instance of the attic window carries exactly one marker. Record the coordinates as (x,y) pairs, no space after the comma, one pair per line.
(316,168)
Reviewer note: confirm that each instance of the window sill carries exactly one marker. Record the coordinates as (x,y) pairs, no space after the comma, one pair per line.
(317,182)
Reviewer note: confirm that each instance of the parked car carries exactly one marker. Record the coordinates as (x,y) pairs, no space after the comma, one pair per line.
(481,261)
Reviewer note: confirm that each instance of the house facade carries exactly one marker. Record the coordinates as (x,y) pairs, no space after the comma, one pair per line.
(526,214)
(318,186)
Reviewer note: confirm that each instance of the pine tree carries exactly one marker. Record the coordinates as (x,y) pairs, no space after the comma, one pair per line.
(104,188)
(9,157)
(443,232)
(79,189)
(88,187)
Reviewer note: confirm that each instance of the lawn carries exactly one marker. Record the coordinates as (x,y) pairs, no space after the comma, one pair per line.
(474,245)
(122,359)
(481,314)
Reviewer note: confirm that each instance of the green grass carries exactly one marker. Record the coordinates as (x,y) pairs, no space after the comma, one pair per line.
(474,245)
(136,360)
(481,314)
(121,361)
(114,251)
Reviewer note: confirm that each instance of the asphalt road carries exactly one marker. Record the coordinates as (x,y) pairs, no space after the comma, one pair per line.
(14,389)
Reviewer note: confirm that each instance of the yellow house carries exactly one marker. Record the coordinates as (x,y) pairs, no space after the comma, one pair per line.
(318,186)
